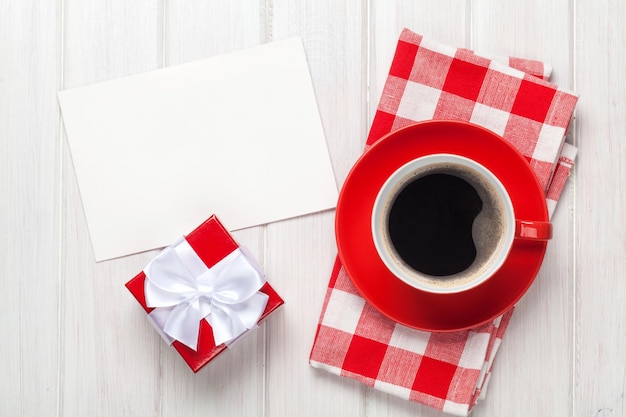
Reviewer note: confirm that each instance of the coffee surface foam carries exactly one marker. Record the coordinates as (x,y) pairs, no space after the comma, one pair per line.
(488,228)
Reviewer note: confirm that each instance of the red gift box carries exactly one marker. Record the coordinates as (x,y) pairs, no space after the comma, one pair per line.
(212,243)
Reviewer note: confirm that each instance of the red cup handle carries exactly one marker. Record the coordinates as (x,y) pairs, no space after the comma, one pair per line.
(533,230)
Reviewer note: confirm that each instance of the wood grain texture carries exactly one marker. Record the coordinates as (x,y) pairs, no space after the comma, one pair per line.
(233,383)
(29,206)
(77,344)
(600,204)
(446,22)
(110,362)
(542,31)
(300,252)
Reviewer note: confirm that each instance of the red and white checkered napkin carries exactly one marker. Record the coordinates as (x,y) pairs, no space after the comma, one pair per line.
(428,80)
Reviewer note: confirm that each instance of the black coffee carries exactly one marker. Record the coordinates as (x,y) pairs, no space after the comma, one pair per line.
(430,224)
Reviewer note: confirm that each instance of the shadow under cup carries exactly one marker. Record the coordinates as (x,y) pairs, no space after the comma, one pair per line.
(443,223)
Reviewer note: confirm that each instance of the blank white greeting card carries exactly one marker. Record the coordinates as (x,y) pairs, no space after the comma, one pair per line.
(238,135)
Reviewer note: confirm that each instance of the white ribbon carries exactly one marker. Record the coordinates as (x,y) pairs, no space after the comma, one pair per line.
(184,291)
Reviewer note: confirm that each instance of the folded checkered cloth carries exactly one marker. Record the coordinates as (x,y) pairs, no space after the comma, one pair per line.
(428,80)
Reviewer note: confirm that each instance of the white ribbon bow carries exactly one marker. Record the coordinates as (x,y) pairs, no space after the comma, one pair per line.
(184,291)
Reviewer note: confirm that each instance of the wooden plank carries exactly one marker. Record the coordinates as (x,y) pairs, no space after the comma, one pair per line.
(233,383)
(335,45)
(110,363)
(300,252)
(533,29)
(444,21)
(600,206)
(199,29)
(29,206)
(541,331)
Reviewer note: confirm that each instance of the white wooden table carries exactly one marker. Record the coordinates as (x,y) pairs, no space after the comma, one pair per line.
(75,342)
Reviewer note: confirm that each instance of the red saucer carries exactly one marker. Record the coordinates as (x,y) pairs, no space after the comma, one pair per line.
(388,294)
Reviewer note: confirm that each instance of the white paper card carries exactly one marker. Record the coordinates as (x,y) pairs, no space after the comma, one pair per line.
(238,135)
